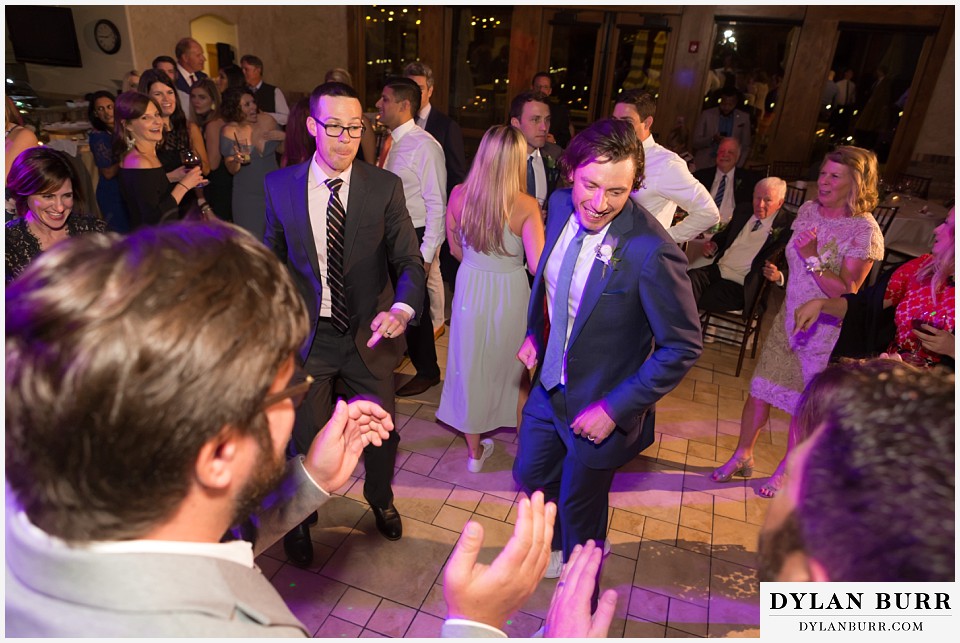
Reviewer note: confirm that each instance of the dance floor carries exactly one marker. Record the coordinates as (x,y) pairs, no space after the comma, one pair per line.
(684,549)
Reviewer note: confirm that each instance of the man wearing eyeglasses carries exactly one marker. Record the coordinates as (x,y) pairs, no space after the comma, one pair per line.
(341,226)
(150,392)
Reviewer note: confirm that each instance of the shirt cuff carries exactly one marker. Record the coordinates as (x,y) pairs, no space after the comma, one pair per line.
(781,280)
(404,307)
(462,622)
(306,473)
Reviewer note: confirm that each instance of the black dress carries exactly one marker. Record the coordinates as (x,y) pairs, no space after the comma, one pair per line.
(219,192)
(148,195)
(23,247)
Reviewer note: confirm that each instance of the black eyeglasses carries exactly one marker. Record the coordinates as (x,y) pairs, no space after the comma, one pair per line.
(296,391)
(334,130)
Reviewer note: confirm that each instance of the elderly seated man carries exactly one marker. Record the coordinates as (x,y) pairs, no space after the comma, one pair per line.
(757,234)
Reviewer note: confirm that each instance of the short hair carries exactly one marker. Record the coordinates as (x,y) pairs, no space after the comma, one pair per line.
(330,89)
(162,59)
(418,68)
(234,76)
(252,60)
(119,369)
(182,46)
(230,105)
(605,141)
(92,99)
(338,75)
(516,105)
(775,183)
(644,102)
(405,90)
(864,196)
(38,170)
(876,497)
(542,74)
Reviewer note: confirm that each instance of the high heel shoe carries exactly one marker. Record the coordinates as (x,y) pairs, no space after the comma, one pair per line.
(773,485)
(732,468)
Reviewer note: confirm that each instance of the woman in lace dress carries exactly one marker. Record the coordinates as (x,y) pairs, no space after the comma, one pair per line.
(491,225)
(45,189)
(835,242)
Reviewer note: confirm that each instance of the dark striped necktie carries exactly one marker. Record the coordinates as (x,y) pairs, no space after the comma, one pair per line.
(721,189)
(336,218)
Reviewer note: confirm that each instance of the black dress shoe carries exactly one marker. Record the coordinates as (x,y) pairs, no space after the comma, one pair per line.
(388,522)
(298,546)
(311,520)
(417,385)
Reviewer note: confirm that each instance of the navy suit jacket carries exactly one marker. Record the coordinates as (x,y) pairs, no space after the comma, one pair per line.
(378,233)
(183,84)
(635,335)
(448,134)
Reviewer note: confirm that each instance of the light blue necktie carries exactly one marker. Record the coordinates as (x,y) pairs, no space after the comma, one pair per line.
(553,359)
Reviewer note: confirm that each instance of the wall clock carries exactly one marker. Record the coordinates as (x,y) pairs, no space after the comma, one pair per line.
(107,36)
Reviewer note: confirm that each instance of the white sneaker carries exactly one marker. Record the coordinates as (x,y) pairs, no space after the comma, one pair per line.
(474,465)
(556,565)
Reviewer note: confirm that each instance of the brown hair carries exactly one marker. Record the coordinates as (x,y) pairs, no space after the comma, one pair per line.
(38,170)
(129,106)
(605,141)
(125,355)
(643,101)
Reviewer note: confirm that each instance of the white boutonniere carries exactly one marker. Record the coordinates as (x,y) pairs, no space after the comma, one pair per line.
(607,255)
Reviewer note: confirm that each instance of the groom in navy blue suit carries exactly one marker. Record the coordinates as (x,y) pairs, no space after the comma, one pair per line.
(624,330)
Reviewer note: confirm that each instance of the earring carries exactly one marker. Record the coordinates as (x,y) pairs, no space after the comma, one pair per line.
(130,141)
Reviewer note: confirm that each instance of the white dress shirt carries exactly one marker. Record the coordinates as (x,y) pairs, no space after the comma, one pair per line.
(540,176)
(279,103)
(417,158)
(667,183)
(729,200)
(185,96)
(422,116)
(736,261)
(588,253)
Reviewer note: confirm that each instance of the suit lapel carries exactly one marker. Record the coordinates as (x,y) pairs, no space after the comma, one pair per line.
(359,185)
(300,203)
(598,278)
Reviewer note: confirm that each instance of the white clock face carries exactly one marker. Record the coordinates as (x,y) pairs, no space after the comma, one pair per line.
(107,37)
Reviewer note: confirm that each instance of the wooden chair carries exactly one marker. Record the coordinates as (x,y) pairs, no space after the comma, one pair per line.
(912,184)
(885,214)
(721,326)
(786,170)
(794,198)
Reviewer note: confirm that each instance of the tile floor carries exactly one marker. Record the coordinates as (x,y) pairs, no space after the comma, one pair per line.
(683,557)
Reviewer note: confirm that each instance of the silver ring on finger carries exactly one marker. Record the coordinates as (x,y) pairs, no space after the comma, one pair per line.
(592,439)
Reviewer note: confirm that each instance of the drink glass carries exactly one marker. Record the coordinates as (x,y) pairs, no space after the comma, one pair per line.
(243,151)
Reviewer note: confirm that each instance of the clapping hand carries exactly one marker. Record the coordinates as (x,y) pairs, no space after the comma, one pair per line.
(335,451)
(569,614)
(806,243)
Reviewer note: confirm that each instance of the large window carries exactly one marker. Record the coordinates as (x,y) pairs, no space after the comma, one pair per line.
(391,36)
(479,62)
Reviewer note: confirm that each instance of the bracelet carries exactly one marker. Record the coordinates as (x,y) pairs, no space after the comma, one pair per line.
(205,207)
(814,264)
(183,186)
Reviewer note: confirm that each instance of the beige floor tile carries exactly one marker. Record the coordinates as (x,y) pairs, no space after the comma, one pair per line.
(756,507)
(673,633)
(336,628)
(466,499)
(623,544)
(418,496)
(311,597)
(673,443)
(703,387)
(496,477)
(673,572)
(399,420)
(729,392)
(671,458)
(521,625)
(701,450)
(696,519)
(402,571)
(648,605)
(659,531)
(424,626)
(700,374)
(268,566)
(336,518)
(356,606)
(391,619)
(426,437)
(705,398)
(434,603)
(693,540)
(494,507)
(733,509)
(422,464)
(627,522)
(370,634)
(687,617)
(641,629)
(735,541)
(617,574)
(452,518)
(651,489)
(407,407)
(734,600)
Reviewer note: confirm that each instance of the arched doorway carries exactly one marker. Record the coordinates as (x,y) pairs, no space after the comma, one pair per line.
(218,37)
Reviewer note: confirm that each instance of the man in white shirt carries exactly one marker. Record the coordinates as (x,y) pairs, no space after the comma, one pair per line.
(416,157)
(530,113)
(269,98)
(667,182)
(137,436)
(729,184)
(758,233)
(190,62)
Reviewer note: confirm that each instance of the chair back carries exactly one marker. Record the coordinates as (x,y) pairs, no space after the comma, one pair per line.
(912,184)
(786,170)
(738,328)
(884,214)
(794,198)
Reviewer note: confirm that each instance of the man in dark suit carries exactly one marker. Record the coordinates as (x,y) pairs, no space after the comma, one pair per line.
(190,62)
(270,98)
(339,225)
(717,123)
(591,404)
(530,113)
(757,232)
(448,134)
(729,185)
